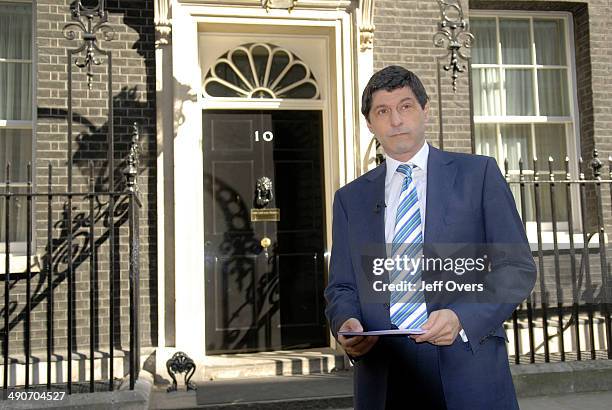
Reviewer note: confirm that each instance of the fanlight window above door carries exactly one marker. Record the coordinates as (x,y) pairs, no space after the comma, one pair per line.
(260,71)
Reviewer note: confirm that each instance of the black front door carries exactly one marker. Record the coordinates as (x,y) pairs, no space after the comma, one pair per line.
(263,298)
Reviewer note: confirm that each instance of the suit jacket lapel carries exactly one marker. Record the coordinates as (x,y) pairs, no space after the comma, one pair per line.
(441,172)
(375,205)
(374,226)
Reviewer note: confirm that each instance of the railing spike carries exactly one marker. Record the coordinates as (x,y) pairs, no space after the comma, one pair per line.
(551,174)
(596,164)
(506,167)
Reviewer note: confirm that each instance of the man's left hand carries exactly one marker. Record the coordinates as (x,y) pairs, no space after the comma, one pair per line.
(441,328)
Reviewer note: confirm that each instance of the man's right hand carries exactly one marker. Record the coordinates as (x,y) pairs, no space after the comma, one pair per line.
(355,345)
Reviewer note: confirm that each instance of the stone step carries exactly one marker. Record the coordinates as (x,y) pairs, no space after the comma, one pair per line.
(260,364)
(297,392)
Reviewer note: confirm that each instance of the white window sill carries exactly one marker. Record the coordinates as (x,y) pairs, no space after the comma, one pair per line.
(563,241)
(19,263)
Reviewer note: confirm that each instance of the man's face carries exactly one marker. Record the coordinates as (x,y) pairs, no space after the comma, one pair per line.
(398,122)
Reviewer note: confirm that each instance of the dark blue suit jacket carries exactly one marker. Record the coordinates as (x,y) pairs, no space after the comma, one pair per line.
(468,201)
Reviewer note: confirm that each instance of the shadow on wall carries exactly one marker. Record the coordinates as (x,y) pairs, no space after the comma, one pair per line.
(132,104)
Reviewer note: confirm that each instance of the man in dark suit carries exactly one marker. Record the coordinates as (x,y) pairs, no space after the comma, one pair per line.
(418,197)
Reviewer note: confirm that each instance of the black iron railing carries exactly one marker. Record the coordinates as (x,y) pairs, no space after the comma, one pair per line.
(571,292)
(78,236)
(71,245)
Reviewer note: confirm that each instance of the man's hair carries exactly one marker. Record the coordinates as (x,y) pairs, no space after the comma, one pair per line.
(389,79)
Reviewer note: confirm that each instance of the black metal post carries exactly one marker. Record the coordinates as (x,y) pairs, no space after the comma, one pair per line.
(49,275)
(111,219)
(131,173)
(522,189)
(570,229)
(92,276)
(585,256)
(28,277)
(544,301)
(515,329)
(559,290)
(7,274)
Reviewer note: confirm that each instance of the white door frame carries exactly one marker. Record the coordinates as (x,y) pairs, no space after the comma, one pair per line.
(342,152)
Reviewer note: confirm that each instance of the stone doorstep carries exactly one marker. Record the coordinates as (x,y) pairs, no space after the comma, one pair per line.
(305,362)
(244,365)
(296,391)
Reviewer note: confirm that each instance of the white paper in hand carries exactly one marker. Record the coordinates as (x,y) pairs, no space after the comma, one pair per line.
(388,332)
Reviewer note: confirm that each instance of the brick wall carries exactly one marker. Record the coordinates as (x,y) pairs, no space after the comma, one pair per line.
(404,36)
(133,94)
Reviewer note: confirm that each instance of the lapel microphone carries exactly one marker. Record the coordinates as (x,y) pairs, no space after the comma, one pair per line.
(379,207)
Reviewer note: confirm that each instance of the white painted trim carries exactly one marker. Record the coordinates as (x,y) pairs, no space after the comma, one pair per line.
(188,246)
(364,71)
(16,124)
(269,85)
(165,219)
(212,46)
(263,104)
(341,148)
(302,4)
(19,263)
(520,119)
(19,1)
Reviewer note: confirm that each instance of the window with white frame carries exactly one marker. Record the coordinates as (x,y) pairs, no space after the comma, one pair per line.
(524,97)
(15,111)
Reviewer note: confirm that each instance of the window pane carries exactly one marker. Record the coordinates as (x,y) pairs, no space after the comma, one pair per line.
(15,91)
(519,92)
(516,145)
(552,92)
(515,41)
(486,140)
(241,60)
(16,148)
(549,41)
(15,31)
(484,50)
(17,217)
(487,91)
(550,141)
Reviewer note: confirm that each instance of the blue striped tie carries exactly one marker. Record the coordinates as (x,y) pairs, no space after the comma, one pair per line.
(407,309)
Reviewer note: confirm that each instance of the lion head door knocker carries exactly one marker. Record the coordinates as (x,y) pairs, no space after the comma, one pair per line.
(263,192)
(260,212)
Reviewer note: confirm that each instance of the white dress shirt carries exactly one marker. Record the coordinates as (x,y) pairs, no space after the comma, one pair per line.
(393,188)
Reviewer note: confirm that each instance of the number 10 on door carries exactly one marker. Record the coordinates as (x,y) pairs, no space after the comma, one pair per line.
(267,136)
